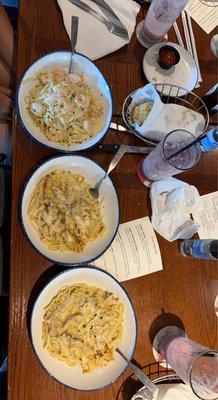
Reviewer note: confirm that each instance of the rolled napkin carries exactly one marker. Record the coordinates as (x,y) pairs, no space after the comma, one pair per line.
(94,39)
(172,203)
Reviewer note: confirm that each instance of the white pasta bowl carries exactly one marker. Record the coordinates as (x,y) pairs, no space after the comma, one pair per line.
(73,377)
(93,76)
(109,209)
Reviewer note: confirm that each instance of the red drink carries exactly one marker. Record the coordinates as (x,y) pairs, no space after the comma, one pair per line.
(195,364)
(157,164)
(159,19)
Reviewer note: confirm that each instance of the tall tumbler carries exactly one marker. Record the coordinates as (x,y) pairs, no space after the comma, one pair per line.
(196,365)
(159,164)
(159,19)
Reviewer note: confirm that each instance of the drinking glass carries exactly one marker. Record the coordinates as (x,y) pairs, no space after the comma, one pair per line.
(196,365)
(157,164)
(159,19)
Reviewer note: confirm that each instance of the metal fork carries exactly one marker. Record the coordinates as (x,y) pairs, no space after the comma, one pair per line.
(143,378)
(95,190)
(74,32)
(116,30)
(119,154)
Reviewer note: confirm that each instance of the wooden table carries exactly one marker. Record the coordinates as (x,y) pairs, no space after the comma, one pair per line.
(185,287)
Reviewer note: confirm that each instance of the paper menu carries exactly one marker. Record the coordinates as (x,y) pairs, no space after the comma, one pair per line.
(207,218)
(134,252)
(205,16)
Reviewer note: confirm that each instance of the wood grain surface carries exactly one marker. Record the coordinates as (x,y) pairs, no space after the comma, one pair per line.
(185,287)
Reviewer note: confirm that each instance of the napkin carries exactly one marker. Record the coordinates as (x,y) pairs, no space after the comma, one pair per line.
(172,203)
(94,39)
(164,118)
(146,93)
(178,391)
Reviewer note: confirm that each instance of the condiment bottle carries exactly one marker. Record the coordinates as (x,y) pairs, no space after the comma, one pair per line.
(202,248)
(210,142)
(210,99)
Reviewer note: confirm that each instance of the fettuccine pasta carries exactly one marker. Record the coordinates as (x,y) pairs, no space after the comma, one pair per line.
(82,325)
(64,107)
(64,213)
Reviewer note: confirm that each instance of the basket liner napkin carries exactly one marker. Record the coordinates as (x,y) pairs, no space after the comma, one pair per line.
(172,391)
(164,118)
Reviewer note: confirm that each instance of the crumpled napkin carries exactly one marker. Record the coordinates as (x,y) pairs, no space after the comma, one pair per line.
(165,118)
(172,203)
(94,39)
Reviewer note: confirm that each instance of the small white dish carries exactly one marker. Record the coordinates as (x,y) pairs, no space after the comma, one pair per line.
(73,377)
(109,209)
(61,59)
(214,45)
(183,74)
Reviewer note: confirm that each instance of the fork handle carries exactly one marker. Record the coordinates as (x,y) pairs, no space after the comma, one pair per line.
(119,154)
(143,378)
(88,9)
(74,32)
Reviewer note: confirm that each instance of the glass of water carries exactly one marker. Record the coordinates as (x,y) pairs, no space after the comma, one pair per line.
(159,164)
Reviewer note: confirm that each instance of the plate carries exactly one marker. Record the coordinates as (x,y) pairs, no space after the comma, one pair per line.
(61,59)
(109,208)
(73,377)
(183,74)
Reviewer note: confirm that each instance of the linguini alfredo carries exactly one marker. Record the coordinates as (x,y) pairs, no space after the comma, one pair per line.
(64,107)
(64,213)
(82,325)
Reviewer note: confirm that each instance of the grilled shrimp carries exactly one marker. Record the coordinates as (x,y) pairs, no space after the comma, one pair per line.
(74,78)
(81,100)
(95,108)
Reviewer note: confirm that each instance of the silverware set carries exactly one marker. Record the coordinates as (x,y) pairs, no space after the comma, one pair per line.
(115,28)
